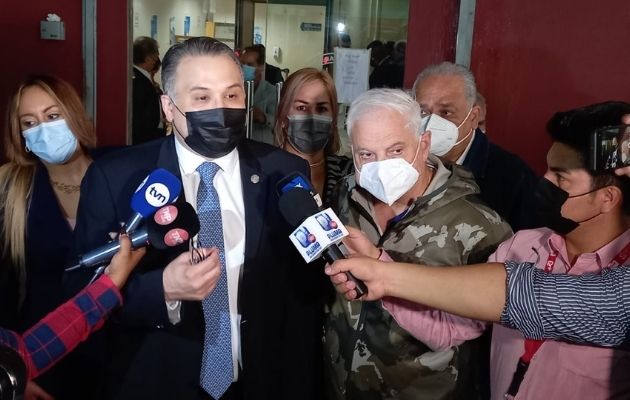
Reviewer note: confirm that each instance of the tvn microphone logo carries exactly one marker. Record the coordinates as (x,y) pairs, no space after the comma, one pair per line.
(157,194)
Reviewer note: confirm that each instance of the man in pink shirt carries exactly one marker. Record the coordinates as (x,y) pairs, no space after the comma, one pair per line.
(586,218)
(585,215)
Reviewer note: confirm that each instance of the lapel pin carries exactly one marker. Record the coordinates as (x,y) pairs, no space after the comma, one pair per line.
(255,178)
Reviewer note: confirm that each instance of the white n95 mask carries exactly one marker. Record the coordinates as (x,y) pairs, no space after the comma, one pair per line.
(388,180)
(444,133)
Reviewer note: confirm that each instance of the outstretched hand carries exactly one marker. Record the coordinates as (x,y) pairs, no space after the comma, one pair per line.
(366,269)
(124,261)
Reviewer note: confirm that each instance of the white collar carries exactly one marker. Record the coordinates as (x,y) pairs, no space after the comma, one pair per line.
(144,72)
(189,161)
(461,158)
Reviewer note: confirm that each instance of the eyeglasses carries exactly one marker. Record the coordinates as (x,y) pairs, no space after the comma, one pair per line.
(197,255)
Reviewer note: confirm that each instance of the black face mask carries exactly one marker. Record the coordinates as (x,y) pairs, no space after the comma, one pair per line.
(549,199)
(309,133)
(216,132)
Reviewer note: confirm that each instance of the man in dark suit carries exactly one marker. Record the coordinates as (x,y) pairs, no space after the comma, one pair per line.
(146,114)
(272,311)
(506,181)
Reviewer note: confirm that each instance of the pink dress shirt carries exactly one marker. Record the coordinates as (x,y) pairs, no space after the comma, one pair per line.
(437,329)
(558,370)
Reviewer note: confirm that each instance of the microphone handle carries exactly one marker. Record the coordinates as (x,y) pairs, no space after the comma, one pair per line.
(332,254)
(105,253)
(133,222)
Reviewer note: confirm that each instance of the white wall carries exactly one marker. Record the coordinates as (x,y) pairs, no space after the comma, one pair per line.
(299,49)
(198,10)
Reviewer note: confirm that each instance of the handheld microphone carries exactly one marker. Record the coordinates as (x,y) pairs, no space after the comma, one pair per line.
(159,188)
(317,231)
(170,226)
(13,374)
(298,181)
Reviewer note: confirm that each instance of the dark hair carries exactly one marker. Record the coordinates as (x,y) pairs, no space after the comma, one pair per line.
(574,128)
(144,47)
(290,90)
(259,49)
(197,46)
(373,44)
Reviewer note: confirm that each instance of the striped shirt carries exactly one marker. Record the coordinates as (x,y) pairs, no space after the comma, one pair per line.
(590,308)
(63,329)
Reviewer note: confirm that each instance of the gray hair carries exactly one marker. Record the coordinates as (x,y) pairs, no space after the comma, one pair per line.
(197,46)
(390,99)
(448,68)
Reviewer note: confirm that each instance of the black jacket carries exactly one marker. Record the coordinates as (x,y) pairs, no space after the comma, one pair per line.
(281,314)
(507,184)
(146,113)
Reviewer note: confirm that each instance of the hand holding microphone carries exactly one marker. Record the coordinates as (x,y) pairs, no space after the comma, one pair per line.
(123,262)
(300,209)
(170,226)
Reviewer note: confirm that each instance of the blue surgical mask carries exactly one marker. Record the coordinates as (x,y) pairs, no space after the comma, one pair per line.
(52,142)
(249,72)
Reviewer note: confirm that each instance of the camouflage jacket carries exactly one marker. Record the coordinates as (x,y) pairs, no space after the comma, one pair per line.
(368,355)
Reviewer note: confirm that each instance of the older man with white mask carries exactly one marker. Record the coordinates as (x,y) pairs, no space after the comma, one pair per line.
(447,95)
(418,210)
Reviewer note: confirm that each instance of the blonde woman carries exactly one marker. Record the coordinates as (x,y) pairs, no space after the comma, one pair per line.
(46,142)
(306,125)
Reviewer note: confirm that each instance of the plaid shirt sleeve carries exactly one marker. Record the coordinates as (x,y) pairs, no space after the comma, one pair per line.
(63,329)
(590,308)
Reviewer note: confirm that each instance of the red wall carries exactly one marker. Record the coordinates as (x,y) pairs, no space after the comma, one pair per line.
(431,36)
(531,59)
(24,53)
(112,74)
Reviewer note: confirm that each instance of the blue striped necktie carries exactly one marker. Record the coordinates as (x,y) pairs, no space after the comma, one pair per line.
(216,366)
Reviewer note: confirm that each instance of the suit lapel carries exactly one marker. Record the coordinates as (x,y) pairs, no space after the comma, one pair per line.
(167,158)
(255,189)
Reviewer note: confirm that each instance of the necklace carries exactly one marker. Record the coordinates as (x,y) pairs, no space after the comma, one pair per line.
(318,163)
(65,187)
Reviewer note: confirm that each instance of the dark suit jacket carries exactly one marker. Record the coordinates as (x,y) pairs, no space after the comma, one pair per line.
(273,74)
(146,111)
(280,308)
(507,184)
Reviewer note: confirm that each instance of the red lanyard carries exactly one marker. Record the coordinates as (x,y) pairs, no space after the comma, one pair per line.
(619,259)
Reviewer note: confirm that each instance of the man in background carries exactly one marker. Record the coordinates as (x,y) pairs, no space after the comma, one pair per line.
(146,114)
(265,97)
(448,92)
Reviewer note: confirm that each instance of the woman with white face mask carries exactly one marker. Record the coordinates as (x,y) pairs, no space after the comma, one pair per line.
(306,125)
(46,143)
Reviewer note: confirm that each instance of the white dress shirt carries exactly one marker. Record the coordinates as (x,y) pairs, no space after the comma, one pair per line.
(227,183)
(461,158)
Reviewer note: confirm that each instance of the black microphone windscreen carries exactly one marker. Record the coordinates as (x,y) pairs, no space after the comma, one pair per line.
(13,374)
(296,205)
(172,225)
